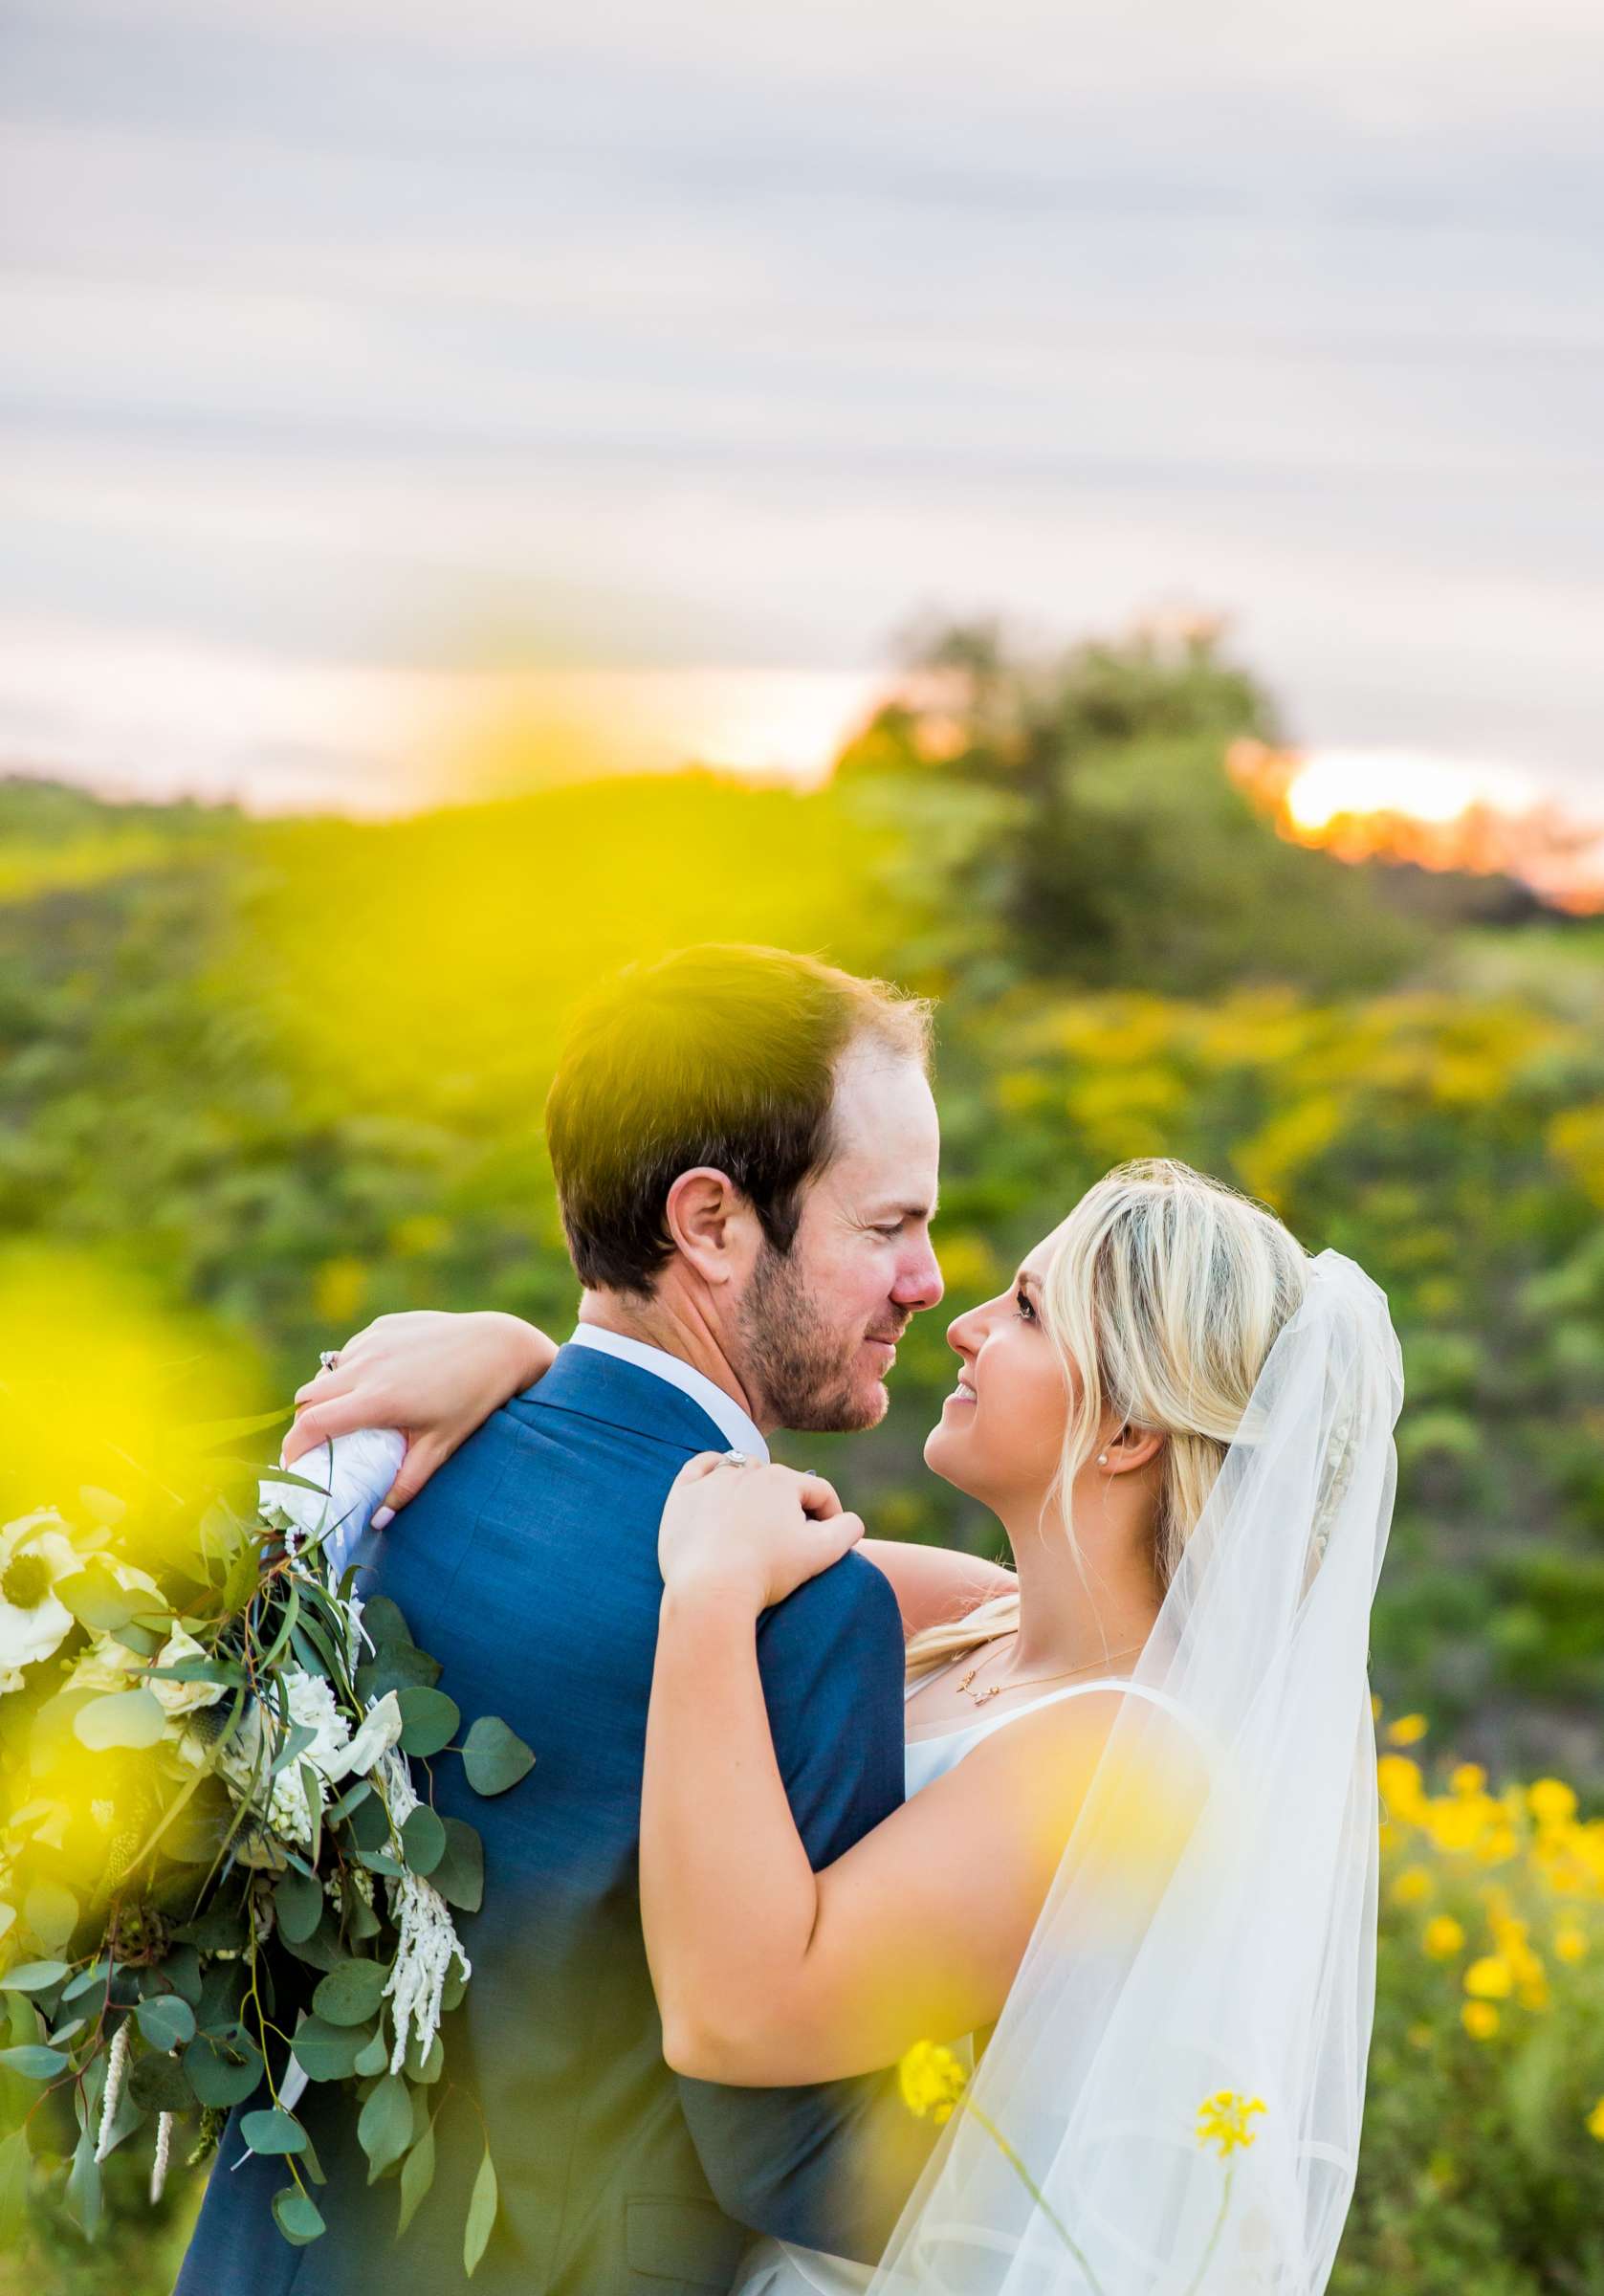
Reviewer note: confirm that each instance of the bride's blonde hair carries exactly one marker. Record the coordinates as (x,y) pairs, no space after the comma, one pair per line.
(1164,1295)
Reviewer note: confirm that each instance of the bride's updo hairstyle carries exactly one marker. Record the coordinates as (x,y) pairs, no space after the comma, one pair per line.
(1164,1295)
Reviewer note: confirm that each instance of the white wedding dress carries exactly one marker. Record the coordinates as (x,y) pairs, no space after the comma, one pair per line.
(773,2267)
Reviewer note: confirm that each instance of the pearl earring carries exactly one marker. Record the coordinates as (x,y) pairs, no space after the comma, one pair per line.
(1102,1458)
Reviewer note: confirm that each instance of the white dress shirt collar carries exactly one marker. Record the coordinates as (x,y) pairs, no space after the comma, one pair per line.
(725,1413)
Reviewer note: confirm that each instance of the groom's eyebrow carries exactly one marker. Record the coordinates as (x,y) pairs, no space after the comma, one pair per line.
(912,1211)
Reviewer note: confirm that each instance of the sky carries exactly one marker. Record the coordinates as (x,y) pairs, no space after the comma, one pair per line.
(366,370)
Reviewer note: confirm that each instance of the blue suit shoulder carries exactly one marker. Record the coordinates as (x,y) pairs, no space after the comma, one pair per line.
(848,1610)
(831,1662)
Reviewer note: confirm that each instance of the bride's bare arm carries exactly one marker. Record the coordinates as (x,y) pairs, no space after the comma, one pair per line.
(433,1375)
(767,1972)
(935,1585)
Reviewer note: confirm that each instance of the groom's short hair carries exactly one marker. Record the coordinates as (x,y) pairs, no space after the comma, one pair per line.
(724,1055)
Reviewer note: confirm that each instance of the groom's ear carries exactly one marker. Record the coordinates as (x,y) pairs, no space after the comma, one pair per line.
(712,1225)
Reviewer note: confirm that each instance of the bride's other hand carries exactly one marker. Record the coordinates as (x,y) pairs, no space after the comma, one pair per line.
(751,1533)
(433,1375)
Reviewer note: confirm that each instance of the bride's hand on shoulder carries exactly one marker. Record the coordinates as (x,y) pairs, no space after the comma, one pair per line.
(750,1534)
(432,1374)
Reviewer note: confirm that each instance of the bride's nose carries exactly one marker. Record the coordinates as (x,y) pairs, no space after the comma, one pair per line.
(964,1334)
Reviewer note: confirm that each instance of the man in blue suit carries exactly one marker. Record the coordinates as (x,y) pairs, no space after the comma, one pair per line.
(746,1148)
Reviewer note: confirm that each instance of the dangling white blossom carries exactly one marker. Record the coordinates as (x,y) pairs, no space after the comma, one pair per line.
(427,1943)
(116,2065)
(164,2152)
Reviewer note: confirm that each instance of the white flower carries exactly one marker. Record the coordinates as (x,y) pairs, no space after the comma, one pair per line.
(428,1942)
(311,1704)
(34,1553)
(381,1727)
(182,1697)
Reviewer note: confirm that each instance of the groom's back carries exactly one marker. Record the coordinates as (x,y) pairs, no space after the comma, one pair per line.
(528,1567)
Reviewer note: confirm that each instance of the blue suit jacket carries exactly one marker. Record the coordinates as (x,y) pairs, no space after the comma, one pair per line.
(529,1568)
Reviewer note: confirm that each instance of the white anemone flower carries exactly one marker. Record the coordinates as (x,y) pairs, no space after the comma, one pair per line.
(34,1553)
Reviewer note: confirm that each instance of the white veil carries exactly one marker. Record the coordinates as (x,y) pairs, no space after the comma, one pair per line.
(1209,1940)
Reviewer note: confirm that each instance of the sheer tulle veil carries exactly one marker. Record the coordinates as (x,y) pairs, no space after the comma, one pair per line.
(1203,1970)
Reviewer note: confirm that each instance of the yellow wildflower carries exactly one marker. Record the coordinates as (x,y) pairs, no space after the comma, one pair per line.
(1491,1978)
(1571,1943)
(1443,1937)
(1399,1781)
(1222,2120)
(1412,1887)
(1596,2121)
(1407,1730)
(932,2080)
(1551,1802)
(1469,1778)
(1479,2020)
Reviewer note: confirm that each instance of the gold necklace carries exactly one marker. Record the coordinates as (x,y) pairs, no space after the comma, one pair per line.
(996,1689)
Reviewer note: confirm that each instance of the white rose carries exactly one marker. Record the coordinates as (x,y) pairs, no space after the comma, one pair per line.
(183,1698)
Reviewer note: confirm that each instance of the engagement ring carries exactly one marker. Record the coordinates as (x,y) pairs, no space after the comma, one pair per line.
(329,1357)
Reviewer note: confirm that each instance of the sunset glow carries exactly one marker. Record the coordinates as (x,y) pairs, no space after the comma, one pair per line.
(1434,812)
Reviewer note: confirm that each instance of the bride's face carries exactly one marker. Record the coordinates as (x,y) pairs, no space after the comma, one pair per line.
(1001,1433)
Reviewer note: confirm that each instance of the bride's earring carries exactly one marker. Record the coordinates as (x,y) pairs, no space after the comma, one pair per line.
(1102,1458)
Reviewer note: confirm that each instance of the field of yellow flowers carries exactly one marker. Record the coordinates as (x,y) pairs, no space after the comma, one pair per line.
(1483,2168)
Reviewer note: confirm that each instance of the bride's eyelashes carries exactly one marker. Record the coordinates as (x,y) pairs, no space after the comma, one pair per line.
(1021,1300)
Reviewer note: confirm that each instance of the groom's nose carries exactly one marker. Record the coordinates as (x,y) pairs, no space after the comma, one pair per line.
(918,1283)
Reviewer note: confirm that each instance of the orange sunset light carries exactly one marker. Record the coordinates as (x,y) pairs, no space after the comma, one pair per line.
(1438,813)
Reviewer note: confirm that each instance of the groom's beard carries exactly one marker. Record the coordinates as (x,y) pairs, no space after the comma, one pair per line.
(802,1368)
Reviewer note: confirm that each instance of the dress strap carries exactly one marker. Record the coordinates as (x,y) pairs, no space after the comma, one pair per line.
(1078,1689)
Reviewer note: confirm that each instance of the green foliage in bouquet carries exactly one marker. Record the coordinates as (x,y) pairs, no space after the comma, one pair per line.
(216,1851)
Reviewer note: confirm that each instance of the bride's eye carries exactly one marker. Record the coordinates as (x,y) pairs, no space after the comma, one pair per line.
(1021,1300)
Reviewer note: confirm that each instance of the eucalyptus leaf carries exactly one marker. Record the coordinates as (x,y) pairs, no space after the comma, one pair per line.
(384,2125)
(351,1994)
(166,2021)
(338,1811)
(384,1624)
(460,1875)
(494,1756)
(39,1977)
(273,2131)
(33,2061)
(83,2182)
(397,1666)
(297,1902)
(159,2084)
(222,2074)
(15,2176)
(482,2214)
(327,2052)
(52,1912)
(127,1718)
(428,1720)
(373,2057)
(417,2174)
(296,2215)
(423,1839)
(96,1599)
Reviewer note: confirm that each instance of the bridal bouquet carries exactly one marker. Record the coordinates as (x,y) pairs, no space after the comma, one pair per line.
(220,1845)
